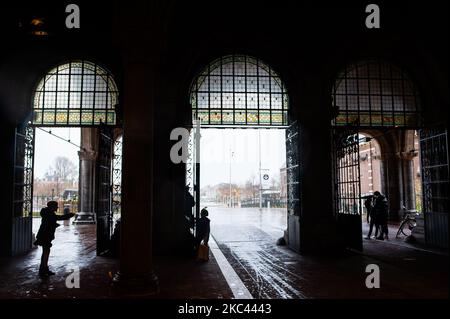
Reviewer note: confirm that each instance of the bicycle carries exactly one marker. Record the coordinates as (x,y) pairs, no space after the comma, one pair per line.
(408,224)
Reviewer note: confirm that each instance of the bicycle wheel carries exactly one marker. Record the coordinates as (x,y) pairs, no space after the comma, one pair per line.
(400,229)
(407,228)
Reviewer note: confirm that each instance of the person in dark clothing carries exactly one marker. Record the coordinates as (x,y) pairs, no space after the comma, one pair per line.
(203,228)
(380,209)
(189,202)
(371,218)
(189,240)
(46,234)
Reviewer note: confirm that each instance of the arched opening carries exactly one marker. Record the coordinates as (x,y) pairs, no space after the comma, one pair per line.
(244,171)
(378,111)
(370,164)
(74,104)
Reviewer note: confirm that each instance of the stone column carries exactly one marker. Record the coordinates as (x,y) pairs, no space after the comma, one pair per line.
(136,276)
(392,183)
(409,196)
(86,188)
(318,230)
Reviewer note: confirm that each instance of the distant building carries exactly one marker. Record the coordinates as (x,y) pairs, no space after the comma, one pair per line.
(283,183)
(369,167)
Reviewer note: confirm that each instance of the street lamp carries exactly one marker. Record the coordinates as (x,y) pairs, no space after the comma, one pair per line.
(260,176)
(231,156)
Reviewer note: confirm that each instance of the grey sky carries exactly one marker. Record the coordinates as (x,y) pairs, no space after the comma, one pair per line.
(215,150)
(215,154)
(48,147)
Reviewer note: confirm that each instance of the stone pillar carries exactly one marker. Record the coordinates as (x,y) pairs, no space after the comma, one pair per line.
(136,276)
(317,224)
(318,228)
(408,192)
(86,188)
(392,183)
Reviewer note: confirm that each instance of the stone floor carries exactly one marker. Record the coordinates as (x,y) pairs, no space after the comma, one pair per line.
(247,239)
(74,246)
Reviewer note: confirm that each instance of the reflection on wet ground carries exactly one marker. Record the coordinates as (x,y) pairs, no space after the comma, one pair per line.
(75,247)
(247,237)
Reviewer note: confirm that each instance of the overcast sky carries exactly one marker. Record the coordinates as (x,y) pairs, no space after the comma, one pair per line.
(215,150)
(48,147)
(243,143)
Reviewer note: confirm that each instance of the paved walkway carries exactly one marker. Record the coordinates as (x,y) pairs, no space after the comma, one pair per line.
(253,265)
(247,238)
(75,247)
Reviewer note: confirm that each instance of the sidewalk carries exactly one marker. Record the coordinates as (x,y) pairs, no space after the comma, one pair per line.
(179,278)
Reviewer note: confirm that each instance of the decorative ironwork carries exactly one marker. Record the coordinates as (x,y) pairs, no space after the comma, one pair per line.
(293,170)
(78,93)
(435,185)
(117,180)
(375,93)
(238,90)
(23,172)
(103,189)
(347,187)
(347,176)
(193,172)
(435,170)
(190,164)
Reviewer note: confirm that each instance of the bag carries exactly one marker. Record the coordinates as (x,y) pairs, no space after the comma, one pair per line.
(203,252)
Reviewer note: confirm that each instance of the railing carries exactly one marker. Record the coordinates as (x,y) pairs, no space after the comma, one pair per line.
(41,201)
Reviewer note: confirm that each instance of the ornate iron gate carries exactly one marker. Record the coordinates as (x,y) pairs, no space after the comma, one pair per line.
(117,180)
(23,190)
(104,190)
(193,171)
(293,186)
(347,187)
(435,184)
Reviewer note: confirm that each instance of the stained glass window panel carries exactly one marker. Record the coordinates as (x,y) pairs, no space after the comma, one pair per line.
(239,90)
(375,93)
(69,94)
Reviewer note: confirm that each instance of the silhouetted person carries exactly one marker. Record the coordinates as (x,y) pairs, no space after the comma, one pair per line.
(115,240)
(189,202)
(371,218)
(46,233)
(380,209)
(203,228)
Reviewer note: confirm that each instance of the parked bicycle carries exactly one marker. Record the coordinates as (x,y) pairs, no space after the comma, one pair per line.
(408,223)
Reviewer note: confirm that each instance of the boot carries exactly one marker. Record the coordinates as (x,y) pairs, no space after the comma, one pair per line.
(45,272)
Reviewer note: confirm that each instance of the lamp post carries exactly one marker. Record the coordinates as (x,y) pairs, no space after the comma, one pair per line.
(231,156)
(260,177)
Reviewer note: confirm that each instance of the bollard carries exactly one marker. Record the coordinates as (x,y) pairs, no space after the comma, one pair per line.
(66,212)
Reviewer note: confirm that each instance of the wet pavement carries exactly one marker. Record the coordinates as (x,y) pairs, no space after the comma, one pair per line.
(75,247)
(247,238)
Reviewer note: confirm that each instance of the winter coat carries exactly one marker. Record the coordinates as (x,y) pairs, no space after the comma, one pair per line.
(48,226)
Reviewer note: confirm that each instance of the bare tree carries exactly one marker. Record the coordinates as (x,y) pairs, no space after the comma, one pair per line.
(63,171)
